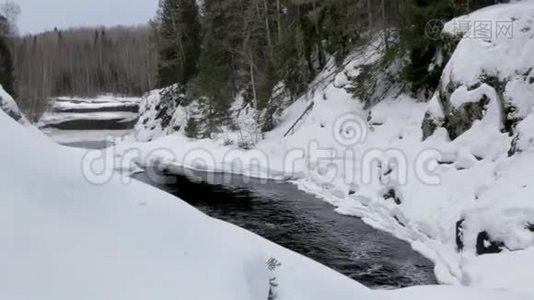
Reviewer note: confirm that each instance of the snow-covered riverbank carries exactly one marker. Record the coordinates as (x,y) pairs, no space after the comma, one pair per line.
(65,238)
(453,176)
(79,120)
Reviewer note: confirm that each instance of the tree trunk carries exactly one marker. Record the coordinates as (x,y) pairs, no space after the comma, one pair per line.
(370,15)
(267,26)
(252,79)
(279,20)
(386,29)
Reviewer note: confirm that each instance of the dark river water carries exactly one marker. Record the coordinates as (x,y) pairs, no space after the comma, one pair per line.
(300,222)
(296,220)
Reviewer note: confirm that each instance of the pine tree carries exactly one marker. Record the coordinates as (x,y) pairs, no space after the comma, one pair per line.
(290,54)
(179,38)
(420,46)
(6,61)
(213,83)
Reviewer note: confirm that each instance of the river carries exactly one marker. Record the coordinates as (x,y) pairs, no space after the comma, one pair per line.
(289,217)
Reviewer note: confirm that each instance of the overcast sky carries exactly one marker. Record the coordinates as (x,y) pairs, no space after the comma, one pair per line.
(41,15)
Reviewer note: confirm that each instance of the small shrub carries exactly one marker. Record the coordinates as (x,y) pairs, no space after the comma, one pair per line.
(245,144)
(228,141)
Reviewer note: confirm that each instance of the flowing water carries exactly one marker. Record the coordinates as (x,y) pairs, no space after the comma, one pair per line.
(300,222)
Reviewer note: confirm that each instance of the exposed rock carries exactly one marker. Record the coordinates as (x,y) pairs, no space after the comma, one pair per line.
(460,120)
(460,235)
(170,99)
(428,126)
(485,245)
(161,113)
(391,194)
(507,109)
(513,147)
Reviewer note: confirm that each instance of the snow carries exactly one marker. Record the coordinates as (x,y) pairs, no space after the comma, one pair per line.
(106,101)
(63,237)
(502,271)
(447,293)
(501,54)
(352,157)
(59,112)
(151,115)
(77,136)
(57,118)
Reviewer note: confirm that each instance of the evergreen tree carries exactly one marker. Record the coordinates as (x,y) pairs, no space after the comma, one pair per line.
(290,58)
(213,83)
(179,37)
(420,46)
(6,61)
(252,46)
(6,68)
(225,22)
(340,27)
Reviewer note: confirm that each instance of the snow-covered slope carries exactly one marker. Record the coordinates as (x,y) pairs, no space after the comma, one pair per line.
(454,176)
(62,237)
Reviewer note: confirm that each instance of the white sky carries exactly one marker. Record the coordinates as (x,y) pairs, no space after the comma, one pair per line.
(41,15)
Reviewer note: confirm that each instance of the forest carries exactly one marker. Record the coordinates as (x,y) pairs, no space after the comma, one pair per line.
(253,47)
(219,49)
(82,62)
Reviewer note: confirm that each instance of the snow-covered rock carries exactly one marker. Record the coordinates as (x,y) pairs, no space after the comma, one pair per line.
(9,106)
(162,112)
(489,75)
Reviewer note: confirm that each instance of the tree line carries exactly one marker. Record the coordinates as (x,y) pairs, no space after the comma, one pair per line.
(82,62)
(220,48)
(217,49)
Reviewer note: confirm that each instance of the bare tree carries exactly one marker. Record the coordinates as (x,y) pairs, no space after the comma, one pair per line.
(83,62)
